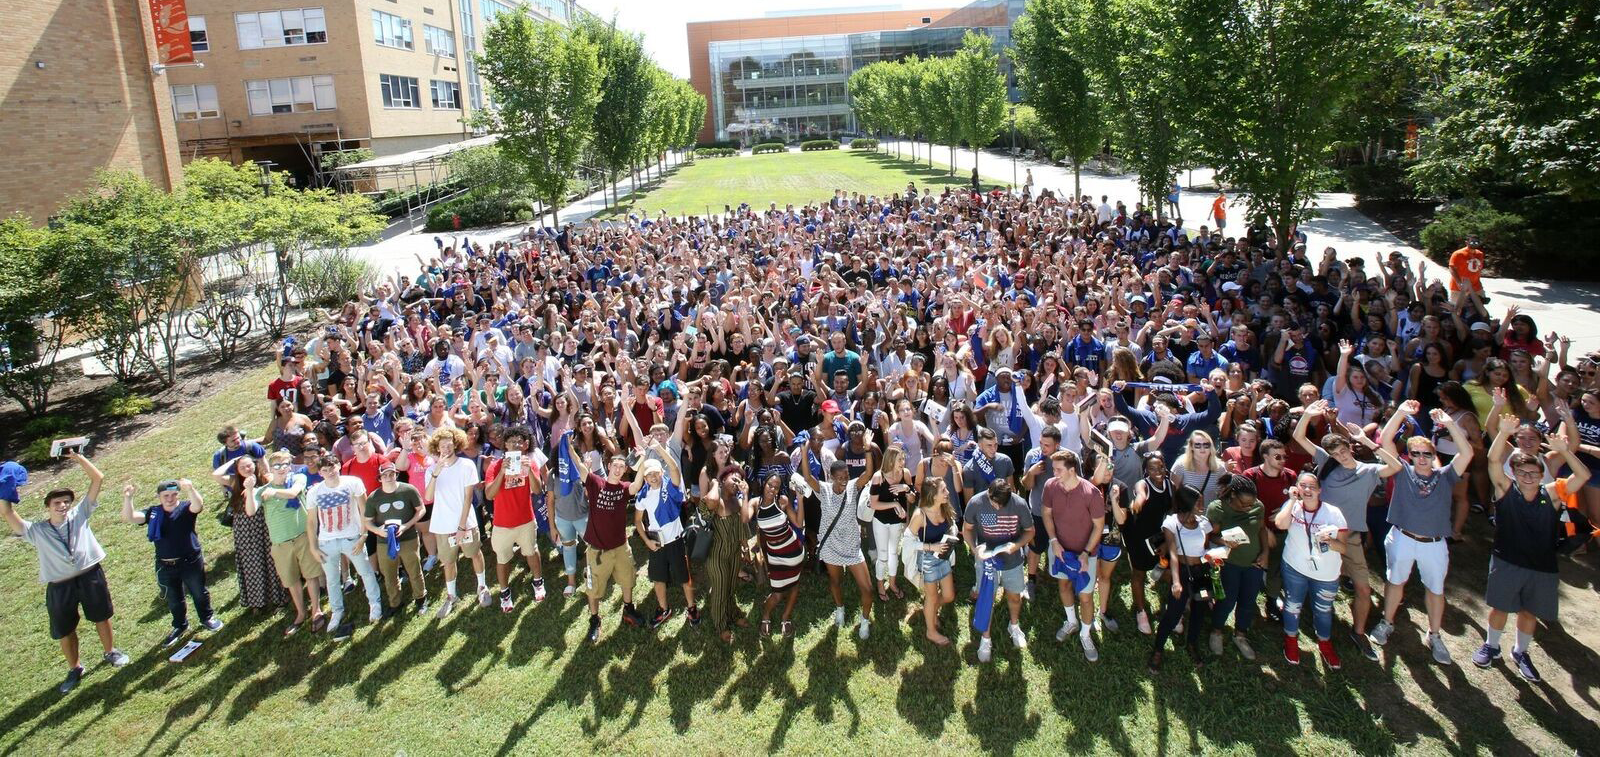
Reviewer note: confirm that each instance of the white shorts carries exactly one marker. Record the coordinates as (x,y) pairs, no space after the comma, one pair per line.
(1432,560)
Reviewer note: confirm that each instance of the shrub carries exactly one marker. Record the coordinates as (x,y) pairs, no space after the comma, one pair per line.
(1384,181)
(1503,236)
(37,453)
(765,147)
(864,143)
(716,152)
(129,406)
(819,144)
(332,278)
(480,207)
(46,426)
(718,143)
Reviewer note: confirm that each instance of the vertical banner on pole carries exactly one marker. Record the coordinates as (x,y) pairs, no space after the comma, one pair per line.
(170,22)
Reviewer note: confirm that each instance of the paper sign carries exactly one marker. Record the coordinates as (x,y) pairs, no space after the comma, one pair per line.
(183,654)
(935,412)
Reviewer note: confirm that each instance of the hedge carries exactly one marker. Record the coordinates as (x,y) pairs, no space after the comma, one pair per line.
(1384,181)
(734,143)
(477,208)
(1503,236)
(819,144)
(715,152)
(768,147)
(865,143)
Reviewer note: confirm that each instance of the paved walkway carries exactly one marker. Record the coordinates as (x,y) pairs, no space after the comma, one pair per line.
(1565,307)
(1568,308)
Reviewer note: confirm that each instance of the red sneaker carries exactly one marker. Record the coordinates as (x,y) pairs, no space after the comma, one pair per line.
(1291,649)
(1329,657)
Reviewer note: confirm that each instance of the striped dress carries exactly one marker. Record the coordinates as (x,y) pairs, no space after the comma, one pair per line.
(784,552)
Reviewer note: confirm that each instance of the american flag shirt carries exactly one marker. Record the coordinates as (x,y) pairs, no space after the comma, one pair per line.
(337,515)
(993,527)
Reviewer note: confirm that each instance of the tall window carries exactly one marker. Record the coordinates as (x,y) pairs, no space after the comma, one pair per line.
(197,34)
(441,42)
(492,8)
(391,30)
(446,95)
(399,91)
(470,41)
(192,102)
(295,26)
(296,95)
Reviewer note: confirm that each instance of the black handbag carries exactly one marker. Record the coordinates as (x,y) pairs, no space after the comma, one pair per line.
(225,516)
(699,536)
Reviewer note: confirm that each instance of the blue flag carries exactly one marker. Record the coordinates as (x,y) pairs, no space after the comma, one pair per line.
(984,609)
(1067,566)
(566,472)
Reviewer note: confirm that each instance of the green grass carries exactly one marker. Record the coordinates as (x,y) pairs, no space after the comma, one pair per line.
(488,683)
(794,177)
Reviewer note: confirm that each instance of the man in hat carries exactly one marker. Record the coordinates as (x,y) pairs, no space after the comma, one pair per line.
(658,507)
(69,567)
(180,568)
(393,511)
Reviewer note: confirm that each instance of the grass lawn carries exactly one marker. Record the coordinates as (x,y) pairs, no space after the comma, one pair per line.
(783,178)
(484,682)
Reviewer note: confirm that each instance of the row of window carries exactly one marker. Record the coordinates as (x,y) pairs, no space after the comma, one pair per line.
(308,26)
(300,94)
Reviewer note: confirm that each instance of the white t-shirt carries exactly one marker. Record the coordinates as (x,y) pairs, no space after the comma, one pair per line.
(1191,541)
(668,532)
(450,496)
(338,516)
(1303,552)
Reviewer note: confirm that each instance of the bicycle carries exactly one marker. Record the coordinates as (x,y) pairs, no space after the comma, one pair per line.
(269,308)
(213,315)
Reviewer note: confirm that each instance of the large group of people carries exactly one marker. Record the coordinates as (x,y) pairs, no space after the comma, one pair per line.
(879,389)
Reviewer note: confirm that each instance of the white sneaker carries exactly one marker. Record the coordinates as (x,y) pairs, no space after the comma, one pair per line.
(335,619)
(985,649)
(863,628)
(1243,645)
(447,606)
(1017,637)
(1441,654)
(1103,623)
(1379,635)
(374,613)
(1068,627)
(838,616)
(1089,652)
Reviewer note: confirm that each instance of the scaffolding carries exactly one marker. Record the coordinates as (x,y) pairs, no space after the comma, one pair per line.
(419,176)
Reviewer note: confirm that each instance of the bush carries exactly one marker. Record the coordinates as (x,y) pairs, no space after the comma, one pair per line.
(1503,236)
(864,143)
(716,152)
(819,144)
(480,207)
(765,147)
(1384,181)
(46,426)
(719,143)
(332,278)
(129,406)
(36,454)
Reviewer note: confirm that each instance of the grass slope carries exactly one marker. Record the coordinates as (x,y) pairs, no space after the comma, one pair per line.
(783,178)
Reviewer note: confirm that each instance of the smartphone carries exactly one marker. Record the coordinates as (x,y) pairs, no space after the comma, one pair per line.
(61,447)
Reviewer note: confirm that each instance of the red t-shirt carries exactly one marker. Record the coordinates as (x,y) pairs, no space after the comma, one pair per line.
(367,471)
(1532,345)
(608,513)
(1236,460)
(275,389)
(513,506)
(1073,511)
(1273,491)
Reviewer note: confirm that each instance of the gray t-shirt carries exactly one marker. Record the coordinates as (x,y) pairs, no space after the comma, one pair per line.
(1423,505)
(1036,494)
(66,551)
(1349,489)
(977,480)
(993,528)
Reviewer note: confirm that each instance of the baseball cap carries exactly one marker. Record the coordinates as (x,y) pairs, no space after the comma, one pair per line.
(169,485)
(386,466)
(1481,326)
(830,406)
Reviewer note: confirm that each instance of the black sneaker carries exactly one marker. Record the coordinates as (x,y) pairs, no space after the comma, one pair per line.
(594,628)
(73,677)
(662,615)
(632,616)
(1364,645)
(176,635)
(343,631)
(420,605)
(1195,654)
(694,615)
(1274,610)
(1525,666)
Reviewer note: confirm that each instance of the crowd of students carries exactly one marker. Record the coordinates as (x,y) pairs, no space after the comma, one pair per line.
(879,389)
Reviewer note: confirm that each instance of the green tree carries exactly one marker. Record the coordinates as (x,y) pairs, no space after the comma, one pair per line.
(625,84)
(546,84)
(1055,81)
(902,80)
(43,293)
(1277,81)
(977,93)
(869,97)
(1517,94)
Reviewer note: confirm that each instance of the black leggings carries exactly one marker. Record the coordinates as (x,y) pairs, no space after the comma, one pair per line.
(1192,578)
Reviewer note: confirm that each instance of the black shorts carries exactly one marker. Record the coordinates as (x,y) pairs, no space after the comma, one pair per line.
(812,516)
(1041,540)
(63,598)
(670,564)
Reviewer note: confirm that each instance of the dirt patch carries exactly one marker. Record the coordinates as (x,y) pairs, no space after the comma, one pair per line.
(1402,219)
(79,403)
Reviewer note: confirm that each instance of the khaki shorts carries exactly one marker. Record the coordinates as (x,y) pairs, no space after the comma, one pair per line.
(608,564)
(293,561)
(1354,563)
(523,537)
(449,554)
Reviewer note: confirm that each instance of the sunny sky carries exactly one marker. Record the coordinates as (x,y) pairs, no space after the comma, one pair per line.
(662,21)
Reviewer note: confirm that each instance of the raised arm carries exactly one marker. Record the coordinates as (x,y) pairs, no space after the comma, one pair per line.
(129,515)
(1464,449)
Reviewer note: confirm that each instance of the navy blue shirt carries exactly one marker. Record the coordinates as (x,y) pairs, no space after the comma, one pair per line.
(178,539)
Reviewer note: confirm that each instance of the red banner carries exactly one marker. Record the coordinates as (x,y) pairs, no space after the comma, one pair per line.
(170,20)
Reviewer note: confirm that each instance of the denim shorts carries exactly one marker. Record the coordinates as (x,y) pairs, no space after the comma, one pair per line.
(932,567)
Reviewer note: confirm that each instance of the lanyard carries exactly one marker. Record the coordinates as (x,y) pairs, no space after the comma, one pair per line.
(66,540)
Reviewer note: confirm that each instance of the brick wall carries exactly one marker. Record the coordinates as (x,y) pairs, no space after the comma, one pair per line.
(91,105)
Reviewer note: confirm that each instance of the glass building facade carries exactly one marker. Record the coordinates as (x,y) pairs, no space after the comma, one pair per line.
(788,89)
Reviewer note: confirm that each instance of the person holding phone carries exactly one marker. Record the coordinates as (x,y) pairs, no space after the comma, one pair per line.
(70,560)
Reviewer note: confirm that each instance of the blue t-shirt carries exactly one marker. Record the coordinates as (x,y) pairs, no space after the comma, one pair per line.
(177,538)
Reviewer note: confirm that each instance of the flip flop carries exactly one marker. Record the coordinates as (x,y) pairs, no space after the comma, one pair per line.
(293,629)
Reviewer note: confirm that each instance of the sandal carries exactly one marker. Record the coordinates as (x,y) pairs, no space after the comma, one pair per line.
(318,623)
(894,591)
(293,629)
(766,628)
(787,628)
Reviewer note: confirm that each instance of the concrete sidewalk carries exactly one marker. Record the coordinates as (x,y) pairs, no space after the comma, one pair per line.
(1568,308)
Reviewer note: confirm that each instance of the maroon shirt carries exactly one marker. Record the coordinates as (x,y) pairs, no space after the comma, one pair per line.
(1073,511)
(608,513)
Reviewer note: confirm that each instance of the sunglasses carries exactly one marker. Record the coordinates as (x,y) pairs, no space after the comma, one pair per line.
(1200,445)
(1422,455)
(281,466)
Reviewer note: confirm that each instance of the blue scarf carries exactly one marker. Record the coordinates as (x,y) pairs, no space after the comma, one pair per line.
(1159,386)
(392,533)
(153,521)
(1014,417)
(671,506)
(983,610)
(566,472)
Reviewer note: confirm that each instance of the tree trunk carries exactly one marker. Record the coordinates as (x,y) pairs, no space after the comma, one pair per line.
(555,214)
(1077,172)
